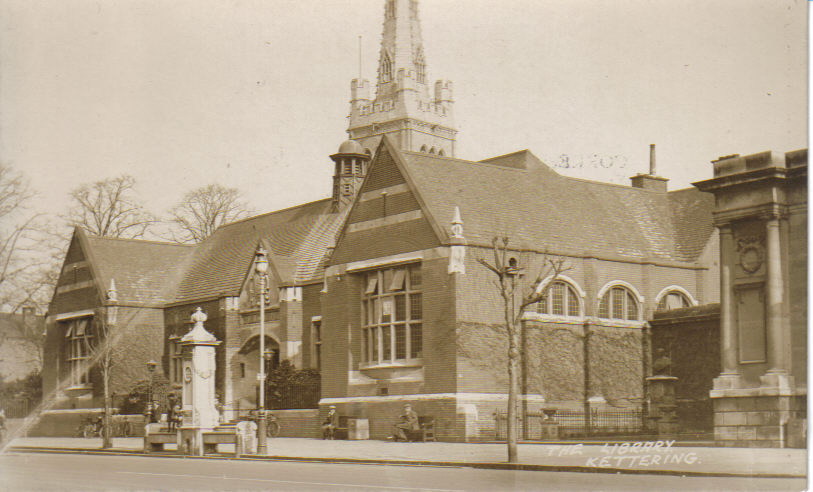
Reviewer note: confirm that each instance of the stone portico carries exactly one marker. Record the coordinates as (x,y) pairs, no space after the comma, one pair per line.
(761,215)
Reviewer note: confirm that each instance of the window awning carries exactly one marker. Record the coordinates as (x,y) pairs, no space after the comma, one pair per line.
(398,280)
(371,285)
(80,327)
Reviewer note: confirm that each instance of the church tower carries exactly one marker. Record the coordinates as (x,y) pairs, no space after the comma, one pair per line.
(404,108)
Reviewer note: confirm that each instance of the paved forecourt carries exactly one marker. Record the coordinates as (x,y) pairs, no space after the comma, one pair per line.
(645,457)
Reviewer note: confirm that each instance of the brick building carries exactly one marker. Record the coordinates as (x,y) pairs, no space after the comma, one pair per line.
(379,286)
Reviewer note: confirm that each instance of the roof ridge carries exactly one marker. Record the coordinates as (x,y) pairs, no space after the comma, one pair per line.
(683,190)
(287,209)
(605,183)
(527,151)
(140,241)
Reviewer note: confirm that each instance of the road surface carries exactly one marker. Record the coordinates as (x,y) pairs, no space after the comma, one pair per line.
(40,471)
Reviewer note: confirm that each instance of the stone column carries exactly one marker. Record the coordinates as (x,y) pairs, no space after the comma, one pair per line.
(729,377)
(777,375)
(774,297)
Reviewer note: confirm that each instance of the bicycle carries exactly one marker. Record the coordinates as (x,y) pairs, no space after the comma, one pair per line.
(87,428)
(122,428)
(272,426)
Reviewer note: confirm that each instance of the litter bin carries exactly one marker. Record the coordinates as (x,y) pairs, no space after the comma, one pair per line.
(358,428)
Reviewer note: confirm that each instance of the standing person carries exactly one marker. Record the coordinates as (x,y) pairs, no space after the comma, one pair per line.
(155,414)
(3,424)
(330,424)
(409,421)
(171,413)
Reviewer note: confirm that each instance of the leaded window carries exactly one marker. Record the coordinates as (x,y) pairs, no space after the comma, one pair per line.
(78,334)
(619,303)
(673,299)
(560,300)
(392,312)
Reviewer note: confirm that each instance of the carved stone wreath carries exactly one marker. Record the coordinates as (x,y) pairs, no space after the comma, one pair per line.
(752,253)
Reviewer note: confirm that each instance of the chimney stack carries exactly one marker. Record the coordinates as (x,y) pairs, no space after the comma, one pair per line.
(650,181)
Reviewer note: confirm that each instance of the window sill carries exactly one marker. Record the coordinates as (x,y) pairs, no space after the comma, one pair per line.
(390,370)
(79,388)
(553,318)
(391,365)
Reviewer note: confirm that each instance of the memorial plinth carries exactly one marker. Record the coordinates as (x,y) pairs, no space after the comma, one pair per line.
(198,397)
(662,406)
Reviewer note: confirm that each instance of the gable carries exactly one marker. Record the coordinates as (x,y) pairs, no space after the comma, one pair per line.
(76,287)
(386,218)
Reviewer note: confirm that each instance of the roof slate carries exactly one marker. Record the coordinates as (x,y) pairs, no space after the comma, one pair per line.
(297,240)
(521,197)
(144,271)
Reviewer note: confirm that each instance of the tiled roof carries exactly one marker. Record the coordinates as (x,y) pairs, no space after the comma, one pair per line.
(144,271)
(296,238)
(520,197)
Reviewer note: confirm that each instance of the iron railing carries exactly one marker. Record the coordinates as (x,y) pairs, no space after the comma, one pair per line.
(18,408)
(294,396)
(574,423)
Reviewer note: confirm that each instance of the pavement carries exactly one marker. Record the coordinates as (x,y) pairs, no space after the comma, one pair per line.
(649,457)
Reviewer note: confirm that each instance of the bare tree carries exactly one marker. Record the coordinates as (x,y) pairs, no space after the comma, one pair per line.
(510,285)
(104,348)
(203,210)
(27,257)
(110,208)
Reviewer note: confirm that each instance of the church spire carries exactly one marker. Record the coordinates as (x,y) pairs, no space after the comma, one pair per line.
(416,118)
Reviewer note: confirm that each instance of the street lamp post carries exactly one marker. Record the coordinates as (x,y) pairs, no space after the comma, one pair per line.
(151,365)
(261,267)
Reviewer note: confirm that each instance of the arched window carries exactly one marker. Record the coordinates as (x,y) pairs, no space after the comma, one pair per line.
(420,67)
(673,299)
(619,303)
(432,150)
(440,153)
(386,67)
(423,148)
(560,300)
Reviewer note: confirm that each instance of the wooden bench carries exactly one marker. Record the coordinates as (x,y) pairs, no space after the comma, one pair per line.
(225,433)
(340,432)
(212,439)
(425,433)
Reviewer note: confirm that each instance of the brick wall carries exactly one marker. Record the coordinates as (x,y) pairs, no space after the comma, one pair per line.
(691,339)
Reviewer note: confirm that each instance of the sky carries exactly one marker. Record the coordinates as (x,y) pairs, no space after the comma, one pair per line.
(254,94)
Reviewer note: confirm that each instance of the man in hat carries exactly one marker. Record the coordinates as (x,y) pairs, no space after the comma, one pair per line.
(409,421)
(331,423)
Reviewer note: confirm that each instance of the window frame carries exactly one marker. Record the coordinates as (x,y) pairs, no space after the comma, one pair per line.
(569,288)
(609,291)
(78,349)
(316,343)
(391,316)
(175,360)
(674,289)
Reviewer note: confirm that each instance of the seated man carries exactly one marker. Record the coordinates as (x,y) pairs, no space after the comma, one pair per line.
(330,424)
(409,421)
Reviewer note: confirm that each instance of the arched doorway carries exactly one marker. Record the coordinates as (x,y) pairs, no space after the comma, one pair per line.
(246,364)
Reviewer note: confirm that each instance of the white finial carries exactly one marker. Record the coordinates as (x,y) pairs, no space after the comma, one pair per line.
(198,333)
(457,224)
(199,317)
(112,293)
